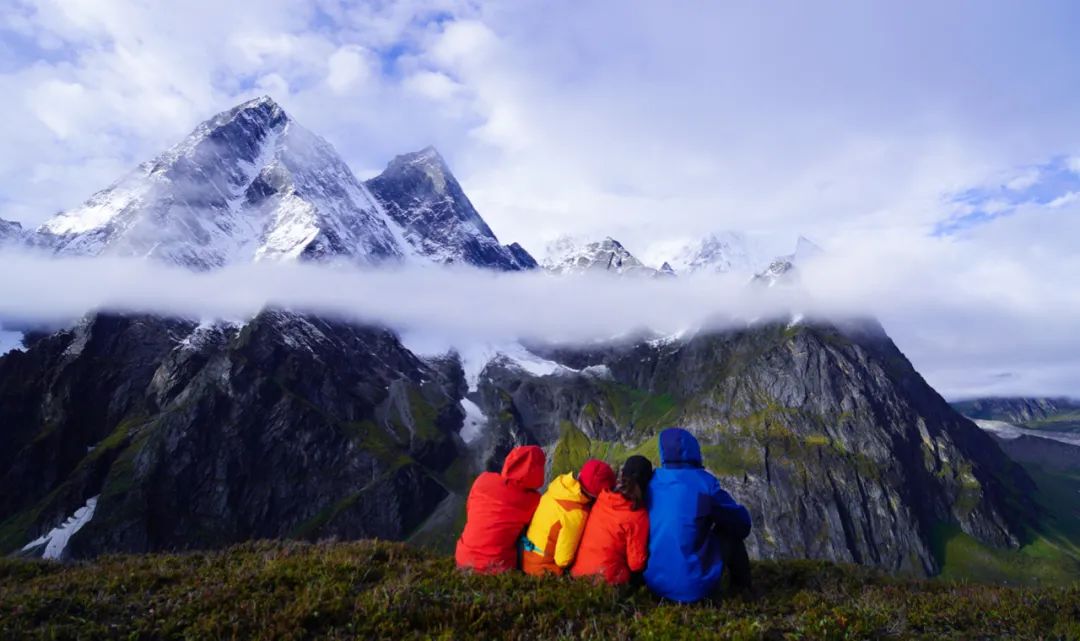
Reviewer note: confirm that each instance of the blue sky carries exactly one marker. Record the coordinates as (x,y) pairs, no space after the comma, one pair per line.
(947,129)
(1050,185)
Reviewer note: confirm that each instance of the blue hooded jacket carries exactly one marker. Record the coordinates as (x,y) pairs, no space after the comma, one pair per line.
(687,511)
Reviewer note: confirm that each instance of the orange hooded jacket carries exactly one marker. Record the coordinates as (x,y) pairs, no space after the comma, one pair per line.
(497,511)
(616,540)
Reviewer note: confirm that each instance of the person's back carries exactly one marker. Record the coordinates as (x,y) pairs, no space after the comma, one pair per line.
(498,509)
(551,542)
(691,522)
(615,542)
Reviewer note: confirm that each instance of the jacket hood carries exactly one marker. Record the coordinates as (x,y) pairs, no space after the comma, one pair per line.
(615,501)
(679,448)
(567,488)
(524,466)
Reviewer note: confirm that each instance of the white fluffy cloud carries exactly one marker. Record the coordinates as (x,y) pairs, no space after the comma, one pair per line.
(972,323)
(348,67)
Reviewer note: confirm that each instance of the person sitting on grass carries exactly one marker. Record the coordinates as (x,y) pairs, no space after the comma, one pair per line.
(616,539)
(695,527)
(553,536)
(499,508)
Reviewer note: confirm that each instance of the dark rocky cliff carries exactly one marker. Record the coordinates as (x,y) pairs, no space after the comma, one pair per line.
(840,449)
(293,426)
(290,426)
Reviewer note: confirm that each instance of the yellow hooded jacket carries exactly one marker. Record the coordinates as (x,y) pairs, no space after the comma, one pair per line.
(552,539)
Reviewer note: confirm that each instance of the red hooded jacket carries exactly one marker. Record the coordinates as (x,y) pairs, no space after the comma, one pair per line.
(499,508)
(615,542)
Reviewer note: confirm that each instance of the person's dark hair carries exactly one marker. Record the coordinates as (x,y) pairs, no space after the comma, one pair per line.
(634,480)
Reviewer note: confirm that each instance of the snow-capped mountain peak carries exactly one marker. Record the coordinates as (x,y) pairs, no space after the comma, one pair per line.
(719,252)
(242,128)
(429,161)
(248,184)
(419,194)
(251,184)
(784,270)
(568,255)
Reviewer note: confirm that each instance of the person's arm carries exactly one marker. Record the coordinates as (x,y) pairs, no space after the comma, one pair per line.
(637,544)
(566,545)
(730,517)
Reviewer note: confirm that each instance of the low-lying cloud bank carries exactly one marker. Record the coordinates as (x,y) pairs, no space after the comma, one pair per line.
(968,333)
(461,303)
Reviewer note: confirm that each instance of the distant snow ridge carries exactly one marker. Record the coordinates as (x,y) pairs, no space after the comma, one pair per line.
(719,252)
(56,540)
(784,270)
(779,272)
(569,255)
(251,184)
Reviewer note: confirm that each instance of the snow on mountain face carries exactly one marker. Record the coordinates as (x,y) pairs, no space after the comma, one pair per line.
(522,257)
(784,270)
(55,541)
(720,252)
(248,184)
(570,256)
(781,271)
(418,192)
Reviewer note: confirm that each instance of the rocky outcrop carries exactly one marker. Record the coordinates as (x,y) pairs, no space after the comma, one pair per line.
(840,449)
(195,436)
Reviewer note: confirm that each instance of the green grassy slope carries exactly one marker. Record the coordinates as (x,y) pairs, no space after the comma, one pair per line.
(394,591)
(1052,553)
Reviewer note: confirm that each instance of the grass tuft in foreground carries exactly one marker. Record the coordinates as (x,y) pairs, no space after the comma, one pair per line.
(387,590)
